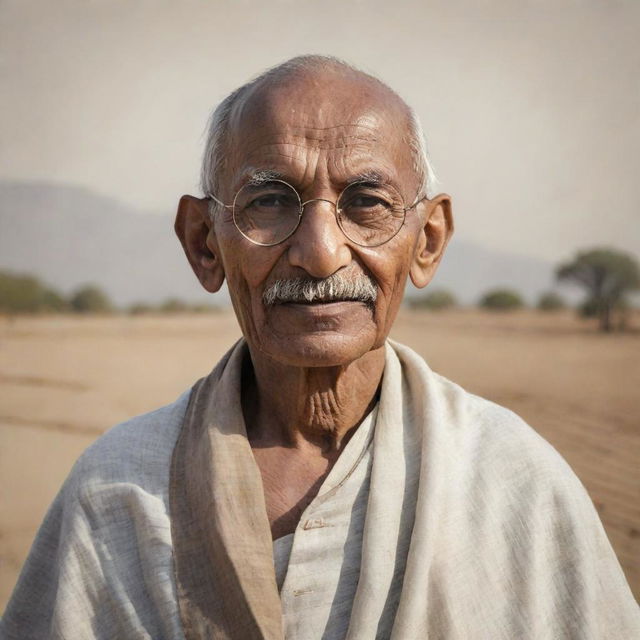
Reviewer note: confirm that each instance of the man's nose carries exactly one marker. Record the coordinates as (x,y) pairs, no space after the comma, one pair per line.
(318,246)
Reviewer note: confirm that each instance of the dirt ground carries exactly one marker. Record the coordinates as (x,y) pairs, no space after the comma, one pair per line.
(65,380)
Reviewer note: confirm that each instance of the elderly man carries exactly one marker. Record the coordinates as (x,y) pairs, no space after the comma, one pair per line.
(322,481)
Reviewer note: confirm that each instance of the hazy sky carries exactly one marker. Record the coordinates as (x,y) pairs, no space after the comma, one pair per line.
(531,108)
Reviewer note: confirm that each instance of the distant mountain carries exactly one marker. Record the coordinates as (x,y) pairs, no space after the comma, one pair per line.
(70,235)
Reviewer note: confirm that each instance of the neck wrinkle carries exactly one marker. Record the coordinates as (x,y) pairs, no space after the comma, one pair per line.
(316,406)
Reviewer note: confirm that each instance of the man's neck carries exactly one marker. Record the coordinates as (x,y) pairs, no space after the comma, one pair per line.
(316,407)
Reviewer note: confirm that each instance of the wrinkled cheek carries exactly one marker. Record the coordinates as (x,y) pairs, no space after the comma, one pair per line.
(243,306)
(244,277)
(380,319)
(389,301)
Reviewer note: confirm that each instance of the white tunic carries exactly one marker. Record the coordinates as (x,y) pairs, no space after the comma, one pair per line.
(317,567)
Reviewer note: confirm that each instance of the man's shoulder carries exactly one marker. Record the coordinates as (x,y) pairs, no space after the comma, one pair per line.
(488,422)
(485,435)
(106,538)
(503,443)
(136,451)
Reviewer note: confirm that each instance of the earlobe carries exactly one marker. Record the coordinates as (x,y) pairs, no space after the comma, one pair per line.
(194,228)
(432,241)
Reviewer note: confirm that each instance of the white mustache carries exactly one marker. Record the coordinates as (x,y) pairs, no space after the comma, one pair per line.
(332,289)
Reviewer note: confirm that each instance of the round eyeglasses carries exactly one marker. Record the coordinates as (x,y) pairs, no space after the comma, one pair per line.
(268,212)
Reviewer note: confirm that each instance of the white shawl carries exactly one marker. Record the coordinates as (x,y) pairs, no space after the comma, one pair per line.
(475,528)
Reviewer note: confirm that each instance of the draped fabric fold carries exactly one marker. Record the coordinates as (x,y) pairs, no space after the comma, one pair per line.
(222,541)
(474,527)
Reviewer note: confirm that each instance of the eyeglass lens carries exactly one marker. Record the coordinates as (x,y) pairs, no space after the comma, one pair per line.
(269,212)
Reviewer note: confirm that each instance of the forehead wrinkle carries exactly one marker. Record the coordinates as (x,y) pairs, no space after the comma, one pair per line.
(315,133)
(309,142)
(348,128)
(295,151)
(337,143)
(344,134)
(355,125)
(300,170)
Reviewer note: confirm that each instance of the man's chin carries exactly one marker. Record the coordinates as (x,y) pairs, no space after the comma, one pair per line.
(318,349)
(295,319)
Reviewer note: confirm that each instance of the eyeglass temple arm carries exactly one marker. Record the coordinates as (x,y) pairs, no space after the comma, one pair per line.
(419,199)
(222,204)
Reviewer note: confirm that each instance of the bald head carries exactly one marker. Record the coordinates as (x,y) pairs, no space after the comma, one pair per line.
(311,91)
(326,81)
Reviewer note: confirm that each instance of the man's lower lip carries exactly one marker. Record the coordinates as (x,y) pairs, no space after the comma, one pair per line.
(321,308)
(320,316)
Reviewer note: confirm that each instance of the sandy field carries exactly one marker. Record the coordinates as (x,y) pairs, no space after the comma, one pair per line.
(65,380)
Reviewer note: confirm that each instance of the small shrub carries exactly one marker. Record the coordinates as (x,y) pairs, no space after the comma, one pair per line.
(501,300)
(140,308)
(90,299)
(21,293)
(551,301)
(435,300)
(205,308)
(173,305)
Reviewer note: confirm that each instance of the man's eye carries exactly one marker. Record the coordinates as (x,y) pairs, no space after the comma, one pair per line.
(273,202)
(270,200)
(366,202)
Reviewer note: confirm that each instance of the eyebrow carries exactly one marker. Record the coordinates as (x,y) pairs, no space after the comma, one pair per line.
(256,178)
(372,176)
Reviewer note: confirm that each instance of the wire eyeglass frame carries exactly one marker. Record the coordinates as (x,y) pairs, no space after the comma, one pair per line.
(302,205)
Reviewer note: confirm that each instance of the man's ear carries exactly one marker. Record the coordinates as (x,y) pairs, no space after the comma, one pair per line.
(193,226)
(433,239)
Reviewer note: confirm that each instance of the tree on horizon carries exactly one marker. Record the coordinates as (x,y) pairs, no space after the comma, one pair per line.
(607,275)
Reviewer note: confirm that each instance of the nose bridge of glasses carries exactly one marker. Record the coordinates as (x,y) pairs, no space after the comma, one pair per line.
(320,223)
(318,245)
(306,202)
